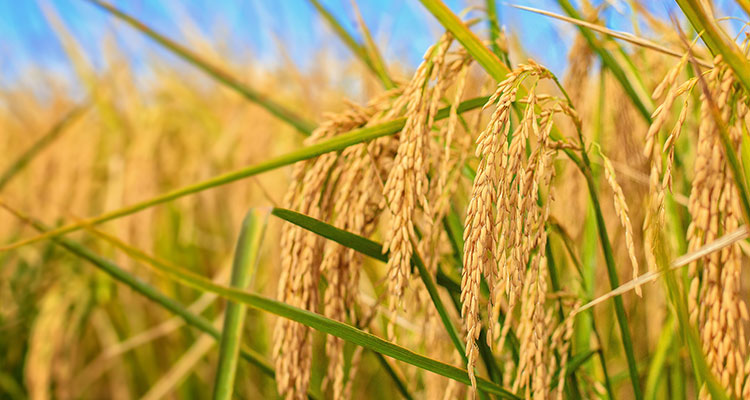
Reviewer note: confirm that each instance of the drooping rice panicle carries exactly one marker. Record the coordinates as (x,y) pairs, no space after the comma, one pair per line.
(621,209)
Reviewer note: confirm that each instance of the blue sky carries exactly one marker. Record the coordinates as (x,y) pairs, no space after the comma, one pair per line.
(247,27)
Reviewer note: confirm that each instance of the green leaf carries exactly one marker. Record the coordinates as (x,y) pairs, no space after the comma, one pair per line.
(243,268)
(495,31)
(336,143)
(340,236)
(215,72)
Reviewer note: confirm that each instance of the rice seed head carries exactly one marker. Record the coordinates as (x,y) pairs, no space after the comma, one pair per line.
(306,256)
(714,295)
(504,199)
(480,233)
(621,209)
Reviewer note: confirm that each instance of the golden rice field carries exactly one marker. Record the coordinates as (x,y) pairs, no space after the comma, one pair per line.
(473,227)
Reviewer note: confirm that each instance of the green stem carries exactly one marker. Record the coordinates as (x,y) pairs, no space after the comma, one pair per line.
(493,20)
(589,319)
(244,266)
(656,370)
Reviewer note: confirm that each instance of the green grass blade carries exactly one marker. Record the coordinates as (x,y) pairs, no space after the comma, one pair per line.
(353,241)
(745,153)
(374,250)
(315,321)
(243,268)
(215,72)
(336,143)
(691,337)
(146,290)
(343,34)
(676,378)
(359,243)
(586,322)
(554,278)
(48,138)
(575,362)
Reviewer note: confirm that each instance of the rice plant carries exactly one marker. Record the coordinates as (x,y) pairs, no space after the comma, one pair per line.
(475,227)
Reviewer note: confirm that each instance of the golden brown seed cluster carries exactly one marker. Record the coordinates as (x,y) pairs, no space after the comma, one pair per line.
(621,209)
(411,179)
(714,300)
(714,297)
(351,190)
(407,188)
(505,229)
(306,256)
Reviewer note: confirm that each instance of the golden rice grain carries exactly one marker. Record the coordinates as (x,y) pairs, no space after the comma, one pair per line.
(621,209)
(405,186)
